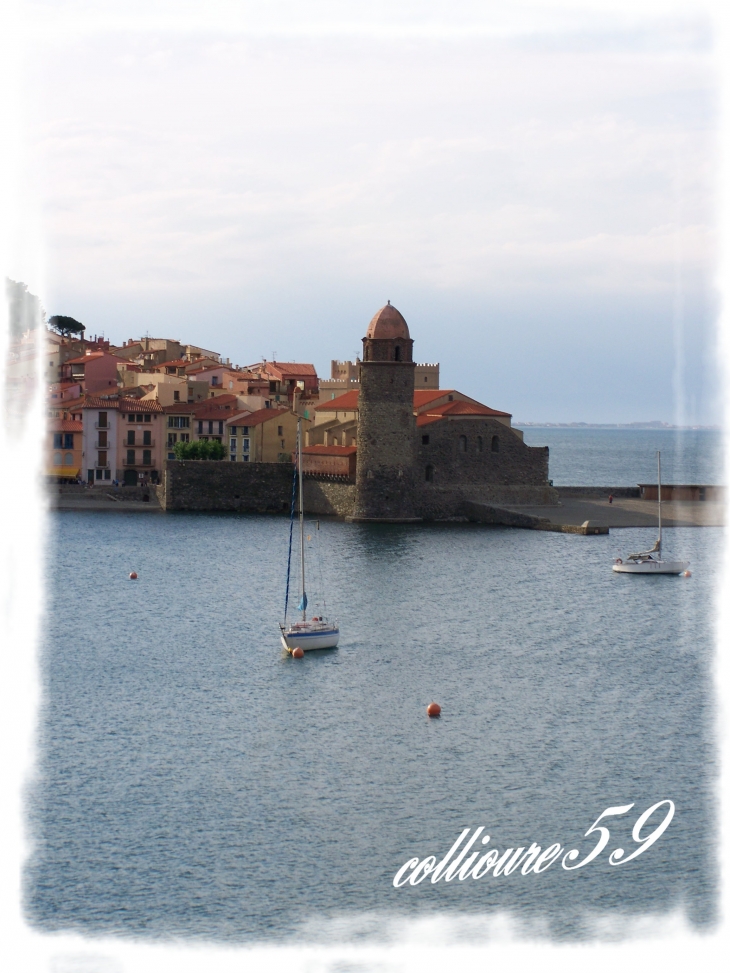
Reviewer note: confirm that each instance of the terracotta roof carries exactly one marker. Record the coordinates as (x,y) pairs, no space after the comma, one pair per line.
(239,418)
(388,323)
(95,402)
(92,355)
(139,405)
(422,397)
(181,408)
(342,403)
(292,368)
(177,362)
(425,420)
(71,403)
(66,425)
(329,450)
(263,415)
(459,408)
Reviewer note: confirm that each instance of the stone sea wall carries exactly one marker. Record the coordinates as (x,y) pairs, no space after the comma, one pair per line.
(214,485)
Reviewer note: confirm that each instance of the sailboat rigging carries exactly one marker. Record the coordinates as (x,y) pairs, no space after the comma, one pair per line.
(317,632)
(651,561)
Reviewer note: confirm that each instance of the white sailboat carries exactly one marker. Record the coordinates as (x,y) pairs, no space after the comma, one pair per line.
(651,561)
(317,632)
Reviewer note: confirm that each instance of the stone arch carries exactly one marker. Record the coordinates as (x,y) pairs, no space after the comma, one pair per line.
(480,444)
(495,444)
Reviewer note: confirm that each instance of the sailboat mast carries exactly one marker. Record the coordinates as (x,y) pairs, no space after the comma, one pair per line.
(301,510)
(659,494)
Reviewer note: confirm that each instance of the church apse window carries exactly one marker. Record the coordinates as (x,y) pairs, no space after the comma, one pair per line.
(462,444)
(495,444)
(480,444)
(397,353)
(429,474)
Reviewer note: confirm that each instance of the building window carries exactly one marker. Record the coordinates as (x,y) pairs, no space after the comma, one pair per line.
(279,430)
(451,398)
(57,440)
(429,473)
(171,438)
(107,474)
(462,444)
(102,420)
(425,379)
(184,437)
(130,417)
(245,445)
(147,457)
(232,457)
(200,426)
(232,430)
(176,395)
(214,380)
(397,352)
(130,437)
(101,459)
(147,438)
(233,445)
(68,440)
(495,444)
(245,430)
(220,427)
(178,422)
(69,459)
(210,427)
(425,440)
(99,474)
(102,440)
(480,444)
(130,457)
(245,458)
(148,418)
(171,456)
(57,459)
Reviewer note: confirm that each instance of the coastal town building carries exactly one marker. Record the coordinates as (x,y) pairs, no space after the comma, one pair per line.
(345,377)
(64,449)
(122,440)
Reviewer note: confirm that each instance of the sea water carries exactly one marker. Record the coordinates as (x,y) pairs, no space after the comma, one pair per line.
(194,781)
(625,457)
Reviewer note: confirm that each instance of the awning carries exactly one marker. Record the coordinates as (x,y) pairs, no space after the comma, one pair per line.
(63,471)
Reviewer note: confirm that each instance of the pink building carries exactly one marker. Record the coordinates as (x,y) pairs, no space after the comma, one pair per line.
(95,371)
(123,440)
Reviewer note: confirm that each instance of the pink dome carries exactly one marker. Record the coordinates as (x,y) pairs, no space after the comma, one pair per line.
(388,323)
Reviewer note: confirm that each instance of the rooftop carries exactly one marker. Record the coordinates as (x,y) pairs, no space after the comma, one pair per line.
(388,323)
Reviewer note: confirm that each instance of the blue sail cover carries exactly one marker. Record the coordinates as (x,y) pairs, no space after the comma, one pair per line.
(302,606)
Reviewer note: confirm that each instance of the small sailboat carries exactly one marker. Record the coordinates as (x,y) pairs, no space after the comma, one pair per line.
(317,632)
(651,561)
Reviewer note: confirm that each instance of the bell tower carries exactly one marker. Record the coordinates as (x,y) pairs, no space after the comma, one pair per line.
(386,433)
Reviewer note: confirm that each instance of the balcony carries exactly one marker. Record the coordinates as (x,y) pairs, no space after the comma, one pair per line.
(143,465)
(100,445)
(127,445)
(103,425)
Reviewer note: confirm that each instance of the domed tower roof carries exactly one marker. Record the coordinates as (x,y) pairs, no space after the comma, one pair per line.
(388,323)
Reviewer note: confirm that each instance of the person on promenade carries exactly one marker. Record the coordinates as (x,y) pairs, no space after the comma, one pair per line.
(610,498)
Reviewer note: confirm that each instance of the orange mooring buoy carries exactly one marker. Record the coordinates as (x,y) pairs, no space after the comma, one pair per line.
(298,652)
(433,709)
(133,576)
(688,574)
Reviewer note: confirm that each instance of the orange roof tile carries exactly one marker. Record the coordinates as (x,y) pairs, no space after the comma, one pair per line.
(263,415)
(342,403)
(66,425)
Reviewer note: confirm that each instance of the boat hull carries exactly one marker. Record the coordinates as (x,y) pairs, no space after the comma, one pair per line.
(651,567)
(324,639)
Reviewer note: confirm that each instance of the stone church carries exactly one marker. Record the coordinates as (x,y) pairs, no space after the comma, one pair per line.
(420,455)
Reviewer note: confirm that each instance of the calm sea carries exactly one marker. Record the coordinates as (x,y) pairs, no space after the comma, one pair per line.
(195,781)
(625,457)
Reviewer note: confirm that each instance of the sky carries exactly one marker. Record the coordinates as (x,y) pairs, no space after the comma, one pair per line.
(534,189)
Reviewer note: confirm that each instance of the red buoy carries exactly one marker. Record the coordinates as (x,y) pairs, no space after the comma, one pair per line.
(298,652)
(133,576)
(433,709)
(688,574)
